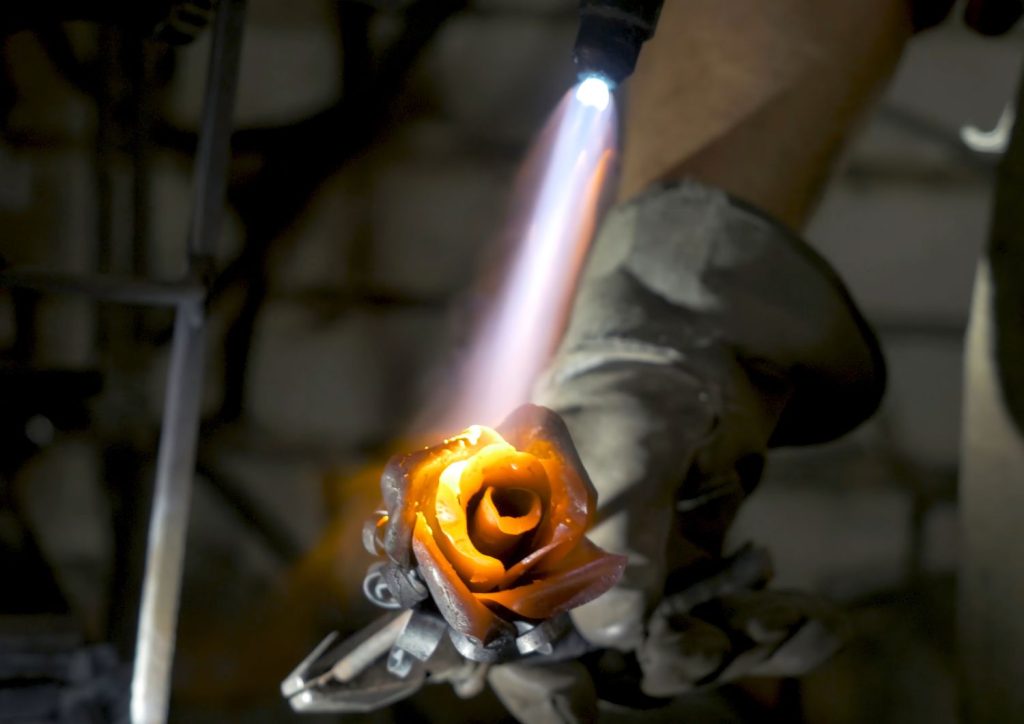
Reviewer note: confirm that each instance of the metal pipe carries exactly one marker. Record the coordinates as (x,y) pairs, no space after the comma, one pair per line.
(165,551)
(154,652)
(214,148)
(104,287)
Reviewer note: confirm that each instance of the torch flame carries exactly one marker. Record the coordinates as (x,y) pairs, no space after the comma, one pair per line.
(528,312)
(515,339)
(594,92)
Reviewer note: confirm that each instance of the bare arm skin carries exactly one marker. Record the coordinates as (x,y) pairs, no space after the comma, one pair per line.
(757,97)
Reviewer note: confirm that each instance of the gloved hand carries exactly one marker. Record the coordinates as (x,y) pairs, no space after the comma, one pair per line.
(702,334)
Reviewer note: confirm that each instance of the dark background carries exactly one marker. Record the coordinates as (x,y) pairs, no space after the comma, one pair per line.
(371,174)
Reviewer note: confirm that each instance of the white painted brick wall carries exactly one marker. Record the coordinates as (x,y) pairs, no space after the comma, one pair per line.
(289,65)
(498,77)
(430,221)
(906,251)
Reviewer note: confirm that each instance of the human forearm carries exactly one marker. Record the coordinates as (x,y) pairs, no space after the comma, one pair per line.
(757,97)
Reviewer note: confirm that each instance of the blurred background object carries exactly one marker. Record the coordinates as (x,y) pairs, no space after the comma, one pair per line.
(376,146)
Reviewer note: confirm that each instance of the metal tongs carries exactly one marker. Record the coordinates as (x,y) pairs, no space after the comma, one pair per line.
(393,657)
(412,645)
(387,661)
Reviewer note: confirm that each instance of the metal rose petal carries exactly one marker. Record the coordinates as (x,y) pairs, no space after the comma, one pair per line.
(401,494)
(456,603)
(525,565)
(497,465)
(409,482)
(459,509)
(585,574)
(533,426)
(542,433)
(450,525)
(503,517)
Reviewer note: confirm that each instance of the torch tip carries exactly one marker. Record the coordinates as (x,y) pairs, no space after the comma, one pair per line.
(594,91)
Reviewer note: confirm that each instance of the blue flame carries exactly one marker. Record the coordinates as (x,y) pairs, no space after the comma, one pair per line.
(527,313)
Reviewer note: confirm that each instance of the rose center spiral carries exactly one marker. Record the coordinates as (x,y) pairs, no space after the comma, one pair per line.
(504,516)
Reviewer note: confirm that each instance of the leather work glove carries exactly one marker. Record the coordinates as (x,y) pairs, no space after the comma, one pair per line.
(702,334)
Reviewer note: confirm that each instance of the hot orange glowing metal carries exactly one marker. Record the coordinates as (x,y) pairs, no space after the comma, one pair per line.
(490,524)
(514,341)
(494,521)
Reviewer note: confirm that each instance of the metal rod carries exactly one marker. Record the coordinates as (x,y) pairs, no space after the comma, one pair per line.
(161,590)
(124,290)
(213,150)
(106,41)
(165,551)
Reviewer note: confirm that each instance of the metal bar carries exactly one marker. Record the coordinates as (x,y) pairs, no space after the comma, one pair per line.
(139,71)
(124,290)
(213,150)
(165,552)
(139,64)
(106,41)
(154,651)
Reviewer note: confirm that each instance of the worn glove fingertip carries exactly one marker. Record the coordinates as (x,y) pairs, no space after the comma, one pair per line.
(553,694)
(809,647)
(679,652)
(615,620)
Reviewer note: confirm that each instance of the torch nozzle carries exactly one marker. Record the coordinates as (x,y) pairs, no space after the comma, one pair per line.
(610,36)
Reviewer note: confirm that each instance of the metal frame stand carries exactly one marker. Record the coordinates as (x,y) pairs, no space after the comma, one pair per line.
(176,457)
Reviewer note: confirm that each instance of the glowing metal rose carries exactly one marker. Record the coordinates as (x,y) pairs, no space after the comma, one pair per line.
(494,522)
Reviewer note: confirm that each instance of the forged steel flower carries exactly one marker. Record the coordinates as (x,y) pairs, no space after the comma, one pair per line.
(494,522)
